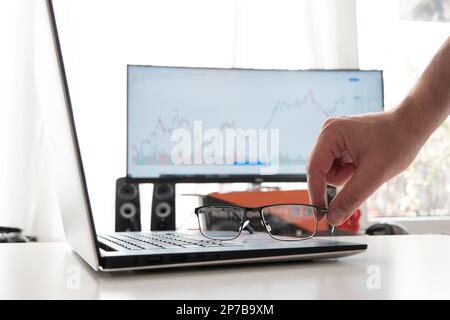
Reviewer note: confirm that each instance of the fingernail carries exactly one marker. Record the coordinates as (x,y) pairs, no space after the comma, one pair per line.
(336,217)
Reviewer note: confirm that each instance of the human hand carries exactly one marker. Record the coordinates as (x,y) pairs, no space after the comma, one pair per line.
(361,153)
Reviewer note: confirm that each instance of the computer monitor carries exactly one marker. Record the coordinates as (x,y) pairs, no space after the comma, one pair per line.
(215,125)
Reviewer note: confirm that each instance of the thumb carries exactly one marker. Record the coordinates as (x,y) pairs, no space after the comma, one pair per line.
(358,188)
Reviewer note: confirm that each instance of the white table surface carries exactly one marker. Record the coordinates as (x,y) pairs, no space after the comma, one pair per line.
(406,267)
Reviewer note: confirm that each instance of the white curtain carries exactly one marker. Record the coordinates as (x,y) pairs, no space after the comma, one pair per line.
(296,34)
(265,34)
(27,194)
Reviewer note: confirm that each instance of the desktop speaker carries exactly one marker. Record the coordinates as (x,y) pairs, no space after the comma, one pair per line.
(128,212)
(163,207)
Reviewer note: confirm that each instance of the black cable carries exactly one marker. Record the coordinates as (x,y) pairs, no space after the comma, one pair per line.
(10,230)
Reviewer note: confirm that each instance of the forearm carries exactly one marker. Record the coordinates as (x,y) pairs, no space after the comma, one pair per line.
(428,104)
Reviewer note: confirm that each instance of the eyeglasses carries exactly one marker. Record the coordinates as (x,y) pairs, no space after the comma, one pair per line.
(286,222)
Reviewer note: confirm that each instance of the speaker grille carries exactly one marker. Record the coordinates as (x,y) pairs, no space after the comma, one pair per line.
(163,191)
(128,210)
(163,209)
(127,191)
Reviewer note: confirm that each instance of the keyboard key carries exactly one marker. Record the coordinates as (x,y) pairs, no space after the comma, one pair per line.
(151,247)
(210,245)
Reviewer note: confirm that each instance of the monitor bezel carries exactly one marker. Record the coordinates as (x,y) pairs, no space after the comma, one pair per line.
(253,178)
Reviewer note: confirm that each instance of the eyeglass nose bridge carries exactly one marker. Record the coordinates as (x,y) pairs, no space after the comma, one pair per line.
(245,225)
(256,213)
(252,212)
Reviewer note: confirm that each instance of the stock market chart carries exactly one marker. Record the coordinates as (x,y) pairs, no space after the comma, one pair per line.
(200,121)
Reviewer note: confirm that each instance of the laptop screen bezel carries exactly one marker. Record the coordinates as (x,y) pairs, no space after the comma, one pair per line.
(68,104)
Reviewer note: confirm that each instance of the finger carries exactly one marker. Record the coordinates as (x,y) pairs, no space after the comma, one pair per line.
(339,174)
(327,148)
(319,163)
(358,188)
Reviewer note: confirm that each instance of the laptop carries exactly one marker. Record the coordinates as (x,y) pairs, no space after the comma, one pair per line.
(157,249)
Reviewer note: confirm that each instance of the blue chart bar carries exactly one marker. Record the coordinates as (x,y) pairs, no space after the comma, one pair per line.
(249,163)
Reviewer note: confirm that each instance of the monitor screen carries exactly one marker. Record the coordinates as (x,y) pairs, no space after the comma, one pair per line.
(236,124)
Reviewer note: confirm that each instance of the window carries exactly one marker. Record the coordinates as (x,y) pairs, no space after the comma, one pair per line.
(401,37)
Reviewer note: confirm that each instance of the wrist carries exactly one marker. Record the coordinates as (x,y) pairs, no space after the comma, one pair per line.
(412,120)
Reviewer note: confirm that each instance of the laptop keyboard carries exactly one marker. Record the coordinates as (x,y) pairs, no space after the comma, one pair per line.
(147,241)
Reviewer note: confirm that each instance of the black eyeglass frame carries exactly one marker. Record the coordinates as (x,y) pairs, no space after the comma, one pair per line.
(319,213)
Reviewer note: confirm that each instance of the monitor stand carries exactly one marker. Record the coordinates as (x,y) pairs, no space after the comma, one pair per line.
(257,186)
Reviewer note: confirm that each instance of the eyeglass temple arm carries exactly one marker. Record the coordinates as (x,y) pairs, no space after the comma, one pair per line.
(330,227)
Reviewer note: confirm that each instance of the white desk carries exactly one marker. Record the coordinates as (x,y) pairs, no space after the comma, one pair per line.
(409,267)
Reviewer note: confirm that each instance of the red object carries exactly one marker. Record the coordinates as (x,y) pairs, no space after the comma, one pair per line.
(352,224)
